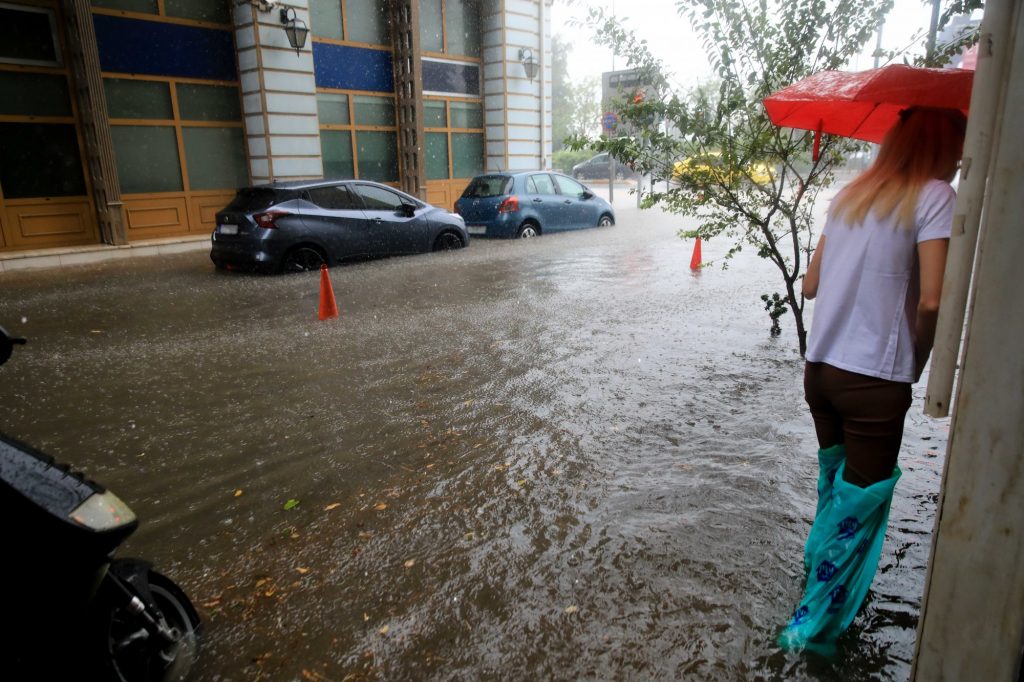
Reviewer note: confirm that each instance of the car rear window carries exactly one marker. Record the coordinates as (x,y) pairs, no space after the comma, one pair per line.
(257,199)
(489,186)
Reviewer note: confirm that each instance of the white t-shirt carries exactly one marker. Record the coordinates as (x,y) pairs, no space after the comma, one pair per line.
(869,288)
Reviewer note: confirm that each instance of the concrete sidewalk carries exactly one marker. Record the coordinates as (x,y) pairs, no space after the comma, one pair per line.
(94,253)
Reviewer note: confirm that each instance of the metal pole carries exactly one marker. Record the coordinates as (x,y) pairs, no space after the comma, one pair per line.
(932,29)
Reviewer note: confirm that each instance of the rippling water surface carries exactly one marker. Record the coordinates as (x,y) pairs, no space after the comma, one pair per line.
(570,458)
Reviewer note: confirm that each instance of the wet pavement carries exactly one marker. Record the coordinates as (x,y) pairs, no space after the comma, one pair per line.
(567,458)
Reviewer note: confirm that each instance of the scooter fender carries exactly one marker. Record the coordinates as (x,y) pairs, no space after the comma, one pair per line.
(134,575)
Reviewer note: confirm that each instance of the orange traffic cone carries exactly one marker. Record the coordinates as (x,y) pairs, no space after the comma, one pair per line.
(328,306)
(695,259)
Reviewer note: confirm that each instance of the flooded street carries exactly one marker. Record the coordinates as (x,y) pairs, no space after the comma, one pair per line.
(565,458)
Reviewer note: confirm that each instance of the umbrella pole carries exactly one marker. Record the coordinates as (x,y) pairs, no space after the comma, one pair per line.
(989,79)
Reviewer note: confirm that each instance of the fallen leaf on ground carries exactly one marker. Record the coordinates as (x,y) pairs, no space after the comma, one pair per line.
(291,504)
(572,609)
(261,582)
(302,571)
(333,505)
(521,481)
(238,493)
(366,617)
(410,563)
(380,506)
(384,630)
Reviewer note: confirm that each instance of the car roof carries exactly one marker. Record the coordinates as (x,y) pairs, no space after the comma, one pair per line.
(298,185)
(319,182)
(519,173)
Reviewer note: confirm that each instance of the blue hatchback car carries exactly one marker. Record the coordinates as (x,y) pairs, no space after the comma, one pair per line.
(530,203)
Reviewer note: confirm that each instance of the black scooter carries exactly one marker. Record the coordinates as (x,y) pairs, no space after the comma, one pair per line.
(72,611)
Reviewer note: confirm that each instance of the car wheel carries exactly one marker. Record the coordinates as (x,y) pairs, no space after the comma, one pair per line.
(528,231)
(303,259)
(447,241)
(605,221)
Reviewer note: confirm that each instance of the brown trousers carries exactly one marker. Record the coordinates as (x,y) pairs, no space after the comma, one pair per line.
(863,412)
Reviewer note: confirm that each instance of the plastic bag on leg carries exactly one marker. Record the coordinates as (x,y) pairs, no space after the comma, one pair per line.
(843,561)
(829,460)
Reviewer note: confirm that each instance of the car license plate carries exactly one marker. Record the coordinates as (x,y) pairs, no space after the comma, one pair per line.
(477,229)
(228,228)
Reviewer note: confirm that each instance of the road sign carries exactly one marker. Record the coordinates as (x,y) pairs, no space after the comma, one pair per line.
(609,122)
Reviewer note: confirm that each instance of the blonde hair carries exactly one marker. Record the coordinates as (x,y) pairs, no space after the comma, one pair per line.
(925,144)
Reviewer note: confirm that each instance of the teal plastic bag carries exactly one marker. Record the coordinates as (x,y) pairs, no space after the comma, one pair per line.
(829,461)
(843,555)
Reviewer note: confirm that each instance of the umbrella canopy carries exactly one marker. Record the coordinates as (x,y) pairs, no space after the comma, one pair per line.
(865,104)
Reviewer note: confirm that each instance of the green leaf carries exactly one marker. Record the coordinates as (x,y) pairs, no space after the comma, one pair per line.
(291,504)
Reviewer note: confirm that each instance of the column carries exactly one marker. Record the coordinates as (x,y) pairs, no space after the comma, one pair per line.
(515,107)
(278,95)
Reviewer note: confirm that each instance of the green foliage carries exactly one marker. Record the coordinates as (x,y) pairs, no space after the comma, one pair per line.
(565,159)
(710,141)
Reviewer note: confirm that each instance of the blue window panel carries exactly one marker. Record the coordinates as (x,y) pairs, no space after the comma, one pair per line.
(352,68)
(162,49)
(461,79)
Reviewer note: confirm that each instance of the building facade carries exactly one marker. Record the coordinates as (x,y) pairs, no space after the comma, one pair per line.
(130,120)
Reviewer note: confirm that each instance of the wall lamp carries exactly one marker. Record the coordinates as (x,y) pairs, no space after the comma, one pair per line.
(294,28)
(530,65)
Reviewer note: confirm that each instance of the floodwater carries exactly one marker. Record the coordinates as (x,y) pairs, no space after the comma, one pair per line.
(569,458)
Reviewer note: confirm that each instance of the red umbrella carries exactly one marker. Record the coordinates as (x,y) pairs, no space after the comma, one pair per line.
(865,104)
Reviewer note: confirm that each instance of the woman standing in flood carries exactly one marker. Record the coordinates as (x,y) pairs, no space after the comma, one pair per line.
(877,274)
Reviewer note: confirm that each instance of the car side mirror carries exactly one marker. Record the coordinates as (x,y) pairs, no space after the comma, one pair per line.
(587,194)
(407,210)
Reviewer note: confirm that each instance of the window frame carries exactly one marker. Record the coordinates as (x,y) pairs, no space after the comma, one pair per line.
(51,14)
(345,29)
(446,52)
(353,128)
(179,124)
(161,15)
(62,70)
(449,130)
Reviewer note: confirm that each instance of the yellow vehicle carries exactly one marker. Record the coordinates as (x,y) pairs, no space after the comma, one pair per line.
(709,168)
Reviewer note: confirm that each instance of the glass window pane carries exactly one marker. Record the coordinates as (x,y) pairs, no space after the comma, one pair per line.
(325,17)
(332,108)
(40,160)
(336,149)
(137,99)
(208,102)
(467,115)
(147,159)
(540,184)
(378,156)
(27,36)
(215,158)
(367,22)
(378,198)
(145,6)
(334,198)
(200,10)
(437,156)
(467,154)
(568,187)
(463,24)
(430,26)
(374,111)
(33,94)
(433,114)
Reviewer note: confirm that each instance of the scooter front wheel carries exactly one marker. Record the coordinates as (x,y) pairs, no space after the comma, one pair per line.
(133,651)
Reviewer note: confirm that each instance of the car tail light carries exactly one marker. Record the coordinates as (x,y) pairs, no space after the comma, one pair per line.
(510,205)
(267,219)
